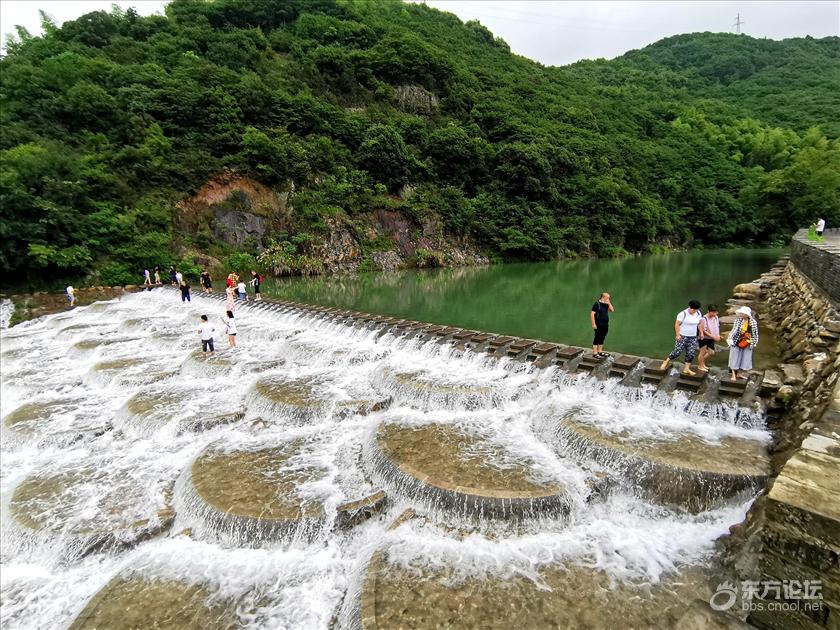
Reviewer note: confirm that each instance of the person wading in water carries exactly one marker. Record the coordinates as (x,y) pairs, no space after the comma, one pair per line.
(206,283)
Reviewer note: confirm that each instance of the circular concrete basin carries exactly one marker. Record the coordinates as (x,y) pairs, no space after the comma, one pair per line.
(149,409)
(87,507)
(299,400)
(154,604)
(429,391)
(34,417)
(444,467)
(251,495)
(686,470)
(426,598)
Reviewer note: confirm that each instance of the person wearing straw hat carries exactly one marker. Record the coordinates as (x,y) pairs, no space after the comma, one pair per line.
(742,340)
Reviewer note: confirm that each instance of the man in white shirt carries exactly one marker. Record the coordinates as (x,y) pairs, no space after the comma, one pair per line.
(206,331)
(179,278)
(820,227)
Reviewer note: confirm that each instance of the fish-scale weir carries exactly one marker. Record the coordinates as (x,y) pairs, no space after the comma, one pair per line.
(262,482)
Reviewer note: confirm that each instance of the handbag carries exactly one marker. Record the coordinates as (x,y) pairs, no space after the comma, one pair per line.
(744,338)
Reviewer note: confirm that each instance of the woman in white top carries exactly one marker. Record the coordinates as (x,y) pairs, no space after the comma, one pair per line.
(230,329)
(685,329)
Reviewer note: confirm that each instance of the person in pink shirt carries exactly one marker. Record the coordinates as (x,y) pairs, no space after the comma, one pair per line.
(709,334)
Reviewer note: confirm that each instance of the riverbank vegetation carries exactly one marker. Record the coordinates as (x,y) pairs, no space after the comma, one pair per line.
(348,106)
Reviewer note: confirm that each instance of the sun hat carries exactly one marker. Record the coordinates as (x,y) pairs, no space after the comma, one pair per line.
(744,310)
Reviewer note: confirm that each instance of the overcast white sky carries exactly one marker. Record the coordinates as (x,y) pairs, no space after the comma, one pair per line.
(554,32)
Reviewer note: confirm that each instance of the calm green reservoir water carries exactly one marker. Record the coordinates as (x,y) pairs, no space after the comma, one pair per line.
(549,301)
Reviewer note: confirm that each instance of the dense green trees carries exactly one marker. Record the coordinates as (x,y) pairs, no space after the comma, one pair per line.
(108,121)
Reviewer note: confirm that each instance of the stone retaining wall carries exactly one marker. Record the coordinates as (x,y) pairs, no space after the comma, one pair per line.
(820,262)
(800,534)
(792,533)
(808,331)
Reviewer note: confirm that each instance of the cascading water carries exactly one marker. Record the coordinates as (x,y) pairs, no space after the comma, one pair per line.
(146,483)
(7,309)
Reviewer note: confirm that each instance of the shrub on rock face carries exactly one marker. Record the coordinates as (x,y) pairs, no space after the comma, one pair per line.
(426,259)
(241,262)
(116,274)
(283,259)
(385,156)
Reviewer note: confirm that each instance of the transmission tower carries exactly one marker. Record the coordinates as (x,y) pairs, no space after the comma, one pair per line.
(738,23)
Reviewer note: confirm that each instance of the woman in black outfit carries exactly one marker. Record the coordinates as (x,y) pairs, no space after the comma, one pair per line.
(600,317)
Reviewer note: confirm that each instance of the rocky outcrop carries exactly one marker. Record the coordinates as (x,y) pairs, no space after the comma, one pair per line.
(234,210)
(340,250)
(238,212)
(412,243)
(237,228)
(415,100)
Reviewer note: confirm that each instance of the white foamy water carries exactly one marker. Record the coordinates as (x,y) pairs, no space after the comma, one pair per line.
(111,404)
(7,309)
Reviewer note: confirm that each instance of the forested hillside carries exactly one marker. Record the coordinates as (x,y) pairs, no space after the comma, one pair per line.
(344,116)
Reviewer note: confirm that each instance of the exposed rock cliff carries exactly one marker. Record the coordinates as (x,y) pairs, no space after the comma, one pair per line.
(234,212)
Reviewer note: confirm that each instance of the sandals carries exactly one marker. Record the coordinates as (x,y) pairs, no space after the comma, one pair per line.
(601,355)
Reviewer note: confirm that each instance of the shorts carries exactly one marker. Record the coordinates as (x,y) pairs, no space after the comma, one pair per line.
(707,343)
(600,334)
(256,288)
(243,296)
(208,285)
(207,344)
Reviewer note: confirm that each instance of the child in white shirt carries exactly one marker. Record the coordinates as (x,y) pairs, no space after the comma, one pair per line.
(240,288)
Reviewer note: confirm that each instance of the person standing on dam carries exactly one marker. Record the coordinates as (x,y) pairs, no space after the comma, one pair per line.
(256,282)
(600,319)
(820,226)
(742,340)
(709,334)
(685,334)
